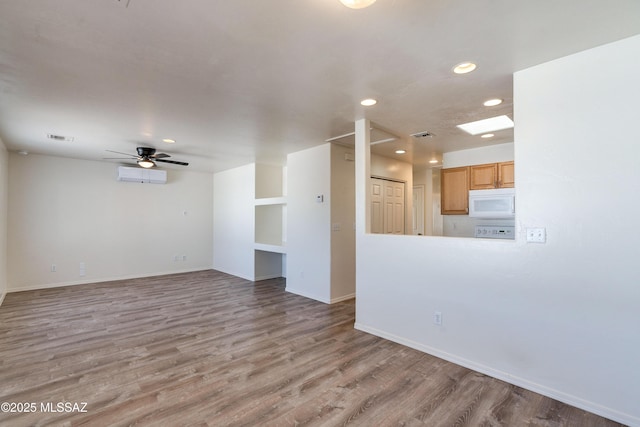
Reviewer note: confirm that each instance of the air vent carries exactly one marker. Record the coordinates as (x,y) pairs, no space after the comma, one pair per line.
(423,134)
(60,137)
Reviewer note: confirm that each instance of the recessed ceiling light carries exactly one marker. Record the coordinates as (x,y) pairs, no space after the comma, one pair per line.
(487,135)
(433,161)
(169,141)
(368,102)
(464,68)
(23,152)
(487,125)
(400,151)
(357,4)
(492,102)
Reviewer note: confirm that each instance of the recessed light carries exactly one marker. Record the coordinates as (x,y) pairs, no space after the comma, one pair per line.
(23,152)
(169,140)
(464,68)
(487,135)
(368,102)
(433,161)
(487,125)
(492,102)
(400,151)
(357,4)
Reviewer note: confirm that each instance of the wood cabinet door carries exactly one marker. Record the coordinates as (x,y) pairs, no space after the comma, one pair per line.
(483,177)
(454,191)
(505,175)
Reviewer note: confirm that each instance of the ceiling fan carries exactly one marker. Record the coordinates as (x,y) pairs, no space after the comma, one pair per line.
(147,157)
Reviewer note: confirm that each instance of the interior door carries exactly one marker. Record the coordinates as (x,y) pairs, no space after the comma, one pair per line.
(387,206)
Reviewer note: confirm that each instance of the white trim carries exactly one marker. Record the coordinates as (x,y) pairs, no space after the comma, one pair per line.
(343,298)
(2,297)
(307,295)
(569,399)
(104,279)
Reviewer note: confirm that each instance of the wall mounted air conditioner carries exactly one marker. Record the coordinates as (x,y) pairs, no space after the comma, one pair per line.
(152,176)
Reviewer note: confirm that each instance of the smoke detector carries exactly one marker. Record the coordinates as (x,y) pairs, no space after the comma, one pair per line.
(60,137)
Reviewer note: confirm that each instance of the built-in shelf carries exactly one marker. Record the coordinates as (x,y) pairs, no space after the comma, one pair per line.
(266,247)
(265,201)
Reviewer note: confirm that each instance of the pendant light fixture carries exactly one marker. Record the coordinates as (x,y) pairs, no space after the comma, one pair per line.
(357,4)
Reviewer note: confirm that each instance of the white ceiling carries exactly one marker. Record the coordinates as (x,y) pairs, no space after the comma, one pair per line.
(241,81)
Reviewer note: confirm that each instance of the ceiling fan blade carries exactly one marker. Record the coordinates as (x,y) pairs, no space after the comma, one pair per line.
(173,162)
(160,155)
(118,158)
(126,154)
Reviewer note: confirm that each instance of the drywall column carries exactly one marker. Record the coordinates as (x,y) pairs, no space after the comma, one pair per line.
(363,177)
(234,222)
(4,198)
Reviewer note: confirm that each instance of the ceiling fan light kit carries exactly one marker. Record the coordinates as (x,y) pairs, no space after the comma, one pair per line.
(146,163)
(357,4)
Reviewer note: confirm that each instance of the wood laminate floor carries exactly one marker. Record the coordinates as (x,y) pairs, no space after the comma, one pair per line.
(209,349)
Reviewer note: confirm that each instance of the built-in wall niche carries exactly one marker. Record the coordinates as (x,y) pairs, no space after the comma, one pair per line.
(270,221)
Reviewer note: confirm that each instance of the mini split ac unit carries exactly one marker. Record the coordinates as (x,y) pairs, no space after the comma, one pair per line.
(152,176)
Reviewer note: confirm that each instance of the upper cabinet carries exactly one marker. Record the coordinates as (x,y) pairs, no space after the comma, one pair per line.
(505,175)
(492,175)
(455,191)
(456,183)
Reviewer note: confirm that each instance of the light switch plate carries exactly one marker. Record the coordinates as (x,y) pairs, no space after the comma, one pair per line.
(536,235)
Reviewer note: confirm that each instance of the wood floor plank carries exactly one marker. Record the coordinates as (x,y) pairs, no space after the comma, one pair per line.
(210,349)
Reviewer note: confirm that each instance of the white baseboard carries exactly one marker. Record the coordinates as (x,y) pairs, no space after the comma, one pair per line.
(321,299)
(99,280)
(343,298)
(569,399)
(307,295)
(2,297)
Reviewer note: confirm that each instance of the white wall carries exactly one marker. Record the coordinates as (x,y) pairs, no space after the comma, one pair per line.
(478,156)
(234,223)
(309,222)
(559,318)
(343,216)
(4,198)
(66,212)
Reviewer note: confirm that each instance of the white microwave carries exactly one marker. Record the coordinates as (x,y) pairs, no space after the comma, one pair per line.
(499,203)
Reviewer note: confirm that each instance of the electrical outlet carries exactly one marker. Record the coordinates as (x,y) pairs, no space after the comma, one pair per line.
(437,318)
(54,268)
(536,235)
(184,257)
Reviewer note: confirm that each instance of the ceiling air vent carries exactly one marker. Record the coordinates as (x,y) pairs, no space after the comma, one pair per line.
(60,137)
(423,134)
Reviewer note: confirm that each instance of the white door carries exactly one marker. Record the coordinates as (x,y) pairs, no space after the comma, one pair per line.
(387,206)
